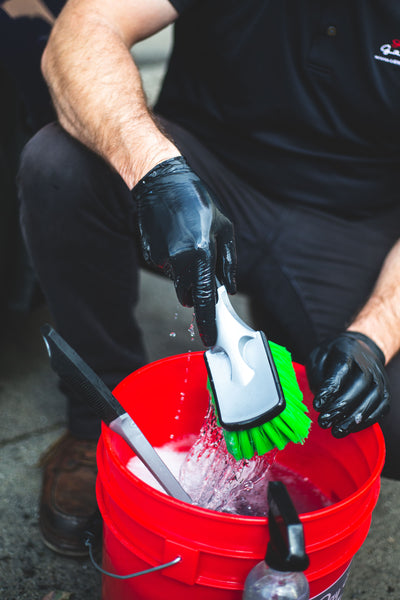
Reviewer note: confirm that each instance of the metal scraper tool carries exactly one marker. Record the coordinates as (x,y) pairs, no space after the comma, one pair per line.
(80,378)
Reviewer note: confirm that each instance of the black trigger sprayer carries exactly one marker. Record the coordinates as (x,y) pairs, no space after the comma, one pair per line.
(281,573)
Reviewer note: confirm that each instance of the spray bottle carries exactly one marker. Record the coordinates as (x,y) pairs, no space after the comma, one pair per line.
(280,575)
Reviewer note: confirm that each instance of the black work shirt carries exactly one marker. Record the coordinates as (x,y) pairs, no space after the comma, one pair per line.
(301,98)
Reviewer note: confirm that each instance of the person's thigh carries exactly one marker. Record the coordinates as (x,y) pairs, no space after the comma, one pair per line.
(325,268)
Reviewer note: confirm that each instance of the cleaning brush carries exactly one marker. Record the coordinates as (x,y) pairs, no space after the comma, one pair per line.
(253,387)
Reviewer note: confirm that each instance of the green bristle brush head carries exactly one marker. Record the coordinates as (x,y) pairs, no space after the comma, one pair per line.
(291,425)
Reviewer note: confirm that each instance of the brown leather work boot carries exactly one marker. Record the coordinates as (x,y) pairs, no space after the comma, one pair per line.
(68,498)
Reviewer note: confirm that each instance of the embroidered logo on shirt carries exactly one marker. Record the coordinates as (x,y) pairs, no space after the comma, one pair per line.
(390,53)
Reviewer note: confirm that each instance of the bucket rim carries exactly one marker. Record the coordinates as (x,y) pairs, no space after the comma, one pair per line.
(246,520)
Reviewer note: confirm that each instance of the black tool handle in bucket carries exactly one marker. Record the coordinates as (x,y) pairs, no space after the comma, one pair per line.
(79,377)
(84,382)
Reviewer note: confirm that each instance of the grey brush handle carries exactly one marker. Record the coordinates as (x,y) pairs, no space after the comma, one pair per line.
(242,373)
(83,381)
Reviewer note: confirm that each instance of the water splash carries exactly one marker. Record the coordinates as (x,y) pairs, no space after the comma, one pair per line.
(215,480)
(306,496)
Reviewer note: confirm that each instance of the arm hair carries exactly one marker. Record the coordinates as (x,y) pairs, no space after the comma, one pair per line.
(96,87)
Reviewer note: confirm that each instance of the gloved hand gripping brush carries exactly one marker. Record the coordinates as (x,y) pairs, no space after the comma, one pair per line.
(186,236)
(253,386)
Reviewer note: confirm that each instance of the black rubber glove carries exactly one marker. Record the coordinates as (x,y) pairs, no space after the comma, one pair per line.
(347,376)
(186,236)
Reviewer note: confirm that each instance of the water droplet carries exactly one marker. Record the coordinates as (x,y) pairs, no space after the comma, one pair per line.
(191,328)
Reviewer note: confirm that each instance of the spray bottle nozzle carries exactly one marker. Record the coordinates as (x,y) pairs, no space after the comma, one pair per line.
(286,548)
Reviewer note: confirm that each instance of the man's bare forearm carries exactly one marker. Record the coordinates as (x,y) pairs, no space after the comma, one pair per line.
(96,87)
(380,317)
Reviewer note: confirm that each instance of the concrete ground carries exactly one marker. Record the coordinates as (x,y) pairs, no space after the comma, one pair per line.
(33,415)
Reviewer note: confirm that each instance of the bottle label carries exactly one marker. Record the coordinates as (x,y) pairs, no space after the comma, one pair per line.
(335,591)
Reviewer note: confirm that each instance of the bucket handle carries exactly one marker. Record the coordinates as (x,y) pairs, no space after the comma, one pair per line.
(131,575)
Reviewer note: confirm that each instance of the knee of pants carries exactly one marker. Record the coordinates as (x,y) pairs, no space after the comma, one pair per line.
(52,164)
(44,172)
(59,180)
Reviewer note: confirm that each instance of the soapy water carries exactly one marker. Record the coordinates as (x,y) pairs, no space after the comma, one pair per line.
(216,481)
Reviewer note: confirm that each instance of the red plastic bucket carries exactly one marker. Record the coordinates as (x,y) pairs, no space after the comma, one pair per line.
(144,528)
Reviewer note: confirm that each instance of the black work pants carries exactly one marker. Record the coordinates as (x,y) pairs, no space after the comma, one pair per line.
(306,271)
